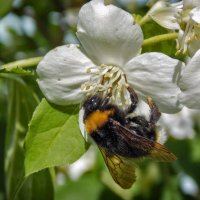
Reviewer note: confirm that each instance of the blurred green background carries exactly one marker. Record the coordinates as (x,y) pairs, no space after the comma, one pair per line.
(30,29)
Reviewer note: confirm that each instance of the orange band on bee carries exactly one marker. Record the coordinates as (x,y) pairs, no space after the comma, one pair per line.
(97,119)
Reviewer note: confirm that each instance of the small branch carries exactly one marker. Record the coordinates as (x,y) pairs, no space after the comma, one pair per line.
(30,62)
(160,38)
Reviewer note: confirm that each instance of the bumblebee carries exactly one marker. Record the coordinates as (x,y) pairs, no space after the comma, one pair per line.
(122,138)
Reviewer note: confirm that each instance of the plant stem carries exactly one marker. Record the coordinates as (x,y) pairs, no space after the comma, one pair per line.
(30,62)
(144,20)
(160,38)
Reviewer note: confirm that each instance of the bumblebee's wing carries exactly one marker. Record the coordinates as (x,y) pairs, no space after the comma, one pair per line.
(143,145)
(121,169)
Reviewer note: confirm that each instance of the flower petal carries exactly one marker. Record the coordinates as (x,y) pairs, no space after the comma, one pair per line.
(61,73)
(155,75)
(165,17)
(193,47)
(108,34)
(188,4)
(81,124)
(195,15)
(157,6)
(190,82)
(183,124)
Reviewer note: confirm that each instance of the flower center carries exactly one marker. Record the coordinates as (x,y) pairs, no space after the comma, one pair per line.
(110,80)
(190,32)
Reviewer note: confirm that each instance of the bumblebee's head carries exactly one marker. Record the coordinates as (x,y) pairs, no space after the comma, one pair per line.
(92,103)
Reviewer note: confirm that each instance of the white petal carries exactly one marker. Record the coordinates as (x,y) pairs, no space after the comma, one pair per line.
(182,124)
(193,47)
(155,75)
(61,73)
(81,125)
(108,34)
(195,15)
(82,165)
(188,4)
(190,83)
(166,17)
(157,6)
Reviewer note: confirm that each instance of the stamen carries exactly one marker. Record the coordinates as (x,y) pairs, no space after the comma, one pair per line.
(107,75)
(102,66)
(127,85)
(190,34)
(88,70)
(109,80)
(119,88)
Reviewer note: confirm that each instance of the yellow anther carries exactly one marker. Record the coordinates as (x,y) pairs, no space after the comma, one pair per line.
(102,66)
(88,70)
(107,75)
(127,85)
(88,94)
(87,87)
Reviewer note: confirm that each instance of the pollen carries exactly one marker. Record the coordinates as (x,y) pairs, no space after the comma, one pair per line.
(102,66)
(105,78)
(127,85)
(88,70)
(107,75)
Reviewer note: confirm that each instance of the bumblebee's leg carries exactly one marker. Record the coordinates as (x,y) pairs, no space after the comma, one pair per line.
(134,100)
(142,127)
(154,113)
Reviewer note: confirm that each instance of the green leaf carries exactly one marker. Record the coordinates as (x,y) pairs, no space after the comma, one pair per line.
(37,186)
(53,138)
(21,104)
(171,190)
(5,6)
(3,106)
(89,187)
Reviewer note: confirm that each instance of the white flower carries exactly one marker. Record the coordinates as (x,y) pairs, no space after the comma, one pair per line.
(109,58)
(188,185)
(82,165)
(190,83)
(179,125)
(185,17)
